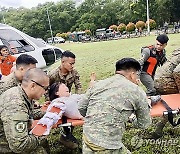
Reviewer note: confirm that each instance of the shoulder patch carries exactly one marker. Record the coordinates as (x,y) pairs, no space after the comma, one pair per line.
(20,126)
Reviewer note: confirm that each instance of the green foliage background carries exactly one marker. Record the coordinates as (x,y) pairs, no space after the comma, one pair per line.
(91,15)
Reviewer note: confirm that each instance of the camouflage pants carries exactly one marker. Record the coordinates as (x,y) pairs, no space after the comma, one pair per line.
(39,150)
(123,150)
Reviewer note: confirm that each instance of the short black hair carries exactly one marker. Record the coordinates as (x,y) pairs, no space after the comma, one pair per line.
(25,59)
(52,91)
(127,63)
(68,53)
(1,47)
(163,38)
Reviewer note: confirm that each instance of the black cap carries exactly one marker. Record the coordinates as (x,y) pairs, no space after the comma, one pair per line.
(163,38)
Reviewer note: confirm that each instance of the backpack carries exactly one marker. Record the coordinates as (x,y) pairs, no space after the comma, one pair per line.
(161,59)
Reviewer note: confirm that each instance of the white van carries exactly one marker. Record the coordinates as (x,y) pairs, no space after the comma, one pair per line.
(44,53)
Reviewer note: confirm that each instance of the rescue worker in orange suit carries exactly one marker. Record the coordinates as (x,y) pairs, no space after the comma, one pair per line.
(152,57)
(6,60)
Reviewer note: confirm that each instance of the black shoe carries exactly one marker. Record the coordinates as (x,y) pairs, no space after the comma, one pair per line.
(69,141)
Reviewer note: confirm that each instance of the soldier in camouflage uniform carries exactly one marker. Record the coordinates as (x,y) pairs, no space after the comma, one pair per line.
(167,79)
(66,73)
(16,115)
(108,105)
(23,63)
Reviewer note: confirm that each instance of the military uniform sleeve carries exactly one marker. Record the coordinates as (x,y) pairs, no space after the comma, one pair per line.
(144,56)
(176,75)
(142,111)
(53,76)
(83,104)
(77,83)
(1,87)
(15,124)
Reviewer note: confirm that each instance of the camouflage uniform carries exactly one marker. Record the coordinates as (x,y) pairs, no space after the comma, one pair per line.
(167,78)
(107,106)
(16,115)
(72,77)
(8,82)
(11,81)
(167,81)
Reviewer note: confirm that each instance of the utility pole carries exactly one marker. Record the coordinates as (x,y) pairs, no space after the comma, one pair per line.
(50,25)
(4,21)
(148,27)
(3,18)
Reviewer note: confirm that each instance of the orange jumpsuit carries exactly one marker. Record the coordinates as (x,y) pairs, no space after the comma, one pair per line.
(6,64)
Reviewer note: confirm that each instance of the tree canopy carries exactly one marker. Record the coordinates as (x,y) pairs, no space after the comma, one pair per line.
(90,15)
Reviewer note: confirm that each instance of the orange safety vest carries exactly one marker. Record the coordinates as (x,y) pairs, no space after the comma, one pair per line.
(6,64)
(153,61)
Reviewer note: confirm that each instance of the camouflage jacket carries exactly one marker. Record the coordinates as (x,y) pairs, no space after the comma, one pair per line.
(8,82)
(16,115)
(108,105)
(11,81)
(167,78)
(72,77)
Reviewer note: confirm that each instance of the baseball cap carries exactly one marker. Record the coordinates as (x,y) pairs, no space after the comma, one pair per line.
(163,38)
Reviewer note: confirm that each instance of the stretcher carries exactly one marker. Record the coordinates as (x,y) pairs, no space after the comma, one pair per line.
(39,129)
(168,106)
(173,101)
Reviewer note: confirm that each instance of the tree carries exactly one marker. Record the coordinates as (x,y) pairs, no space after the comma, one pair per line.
(152,24)
(130,27)
(121,27)
(140,24)
(114,27)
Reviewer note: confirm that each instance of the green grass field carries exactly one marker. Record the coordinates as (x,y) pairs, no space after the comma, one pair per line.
(100,57)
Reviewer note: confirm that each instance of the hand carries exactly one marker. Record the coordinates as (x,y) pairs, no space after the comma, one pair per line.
(155,99)
(93,76)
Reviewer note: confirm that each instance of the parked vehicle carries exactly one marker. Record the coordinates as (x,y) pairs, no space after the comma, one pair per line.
(56,40)
(44,53)
(104,33)
(76,36)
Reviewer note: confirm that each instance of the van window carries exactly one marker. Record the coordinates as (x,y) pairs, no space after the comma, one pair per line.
(39,43)
(58,53)
(13,38)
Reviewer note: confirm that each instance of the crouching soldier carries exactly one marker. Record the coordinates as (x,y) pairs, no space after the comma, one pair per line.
(167,81)
(16,115)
